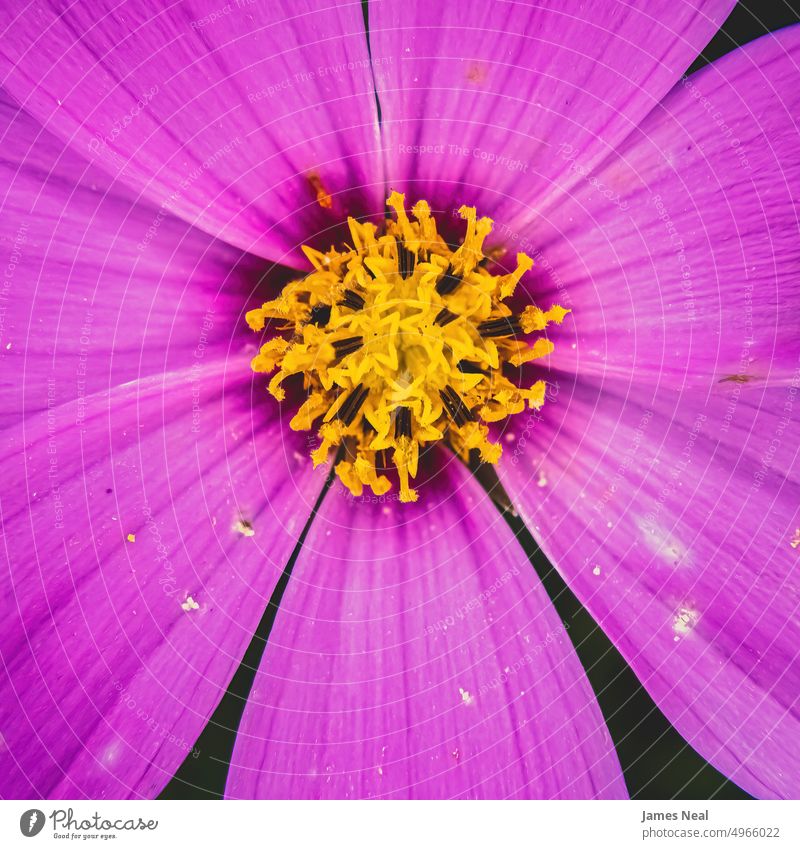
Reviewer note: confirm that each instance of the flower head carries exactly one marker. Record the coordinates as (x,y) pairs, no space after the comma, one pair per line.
(162,175)
(401,342)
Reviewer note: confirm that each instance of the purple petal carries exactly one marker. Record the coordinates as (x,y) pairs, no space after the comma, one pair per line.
(478,99)
(675,518)
(131,591)
(415,654)
(98,290)
(223,114)
(681,255)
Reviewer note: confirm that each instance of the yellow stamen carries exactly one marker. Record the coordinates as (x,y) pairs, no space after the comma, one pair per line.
(365,469)
(524,354)
(309,412)
(346,473)
(509,283)
(401,342)
(406,460)
(533,318)
(270,355)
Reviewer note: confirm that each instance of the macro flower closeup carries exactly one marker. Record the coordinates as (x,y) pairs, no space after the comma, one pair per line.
(303,302)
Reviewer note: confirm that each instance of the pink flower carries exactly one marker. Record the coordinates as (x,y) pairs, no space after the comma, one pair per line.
(163,165)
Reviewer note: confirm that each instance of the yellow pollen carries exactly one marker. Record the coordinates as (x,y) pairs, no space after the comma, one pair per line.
(323,198)
(402,341)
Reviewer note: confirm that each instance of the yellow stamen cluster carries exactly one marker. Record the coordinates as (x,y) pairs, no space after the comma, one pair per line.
(401,342)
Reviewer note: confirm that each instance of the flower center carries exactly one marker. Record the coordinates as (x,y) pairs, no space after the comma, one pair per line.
(402,342)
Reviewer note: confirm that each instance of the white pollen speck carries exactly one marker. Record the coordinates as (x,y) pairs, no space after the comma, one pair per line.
(510,437)
(111,753)
(380,770)
(465,696)
(541,481)
(596,570)
(8,347)
(684,621)
(244,527)
(190,604)
(662,542)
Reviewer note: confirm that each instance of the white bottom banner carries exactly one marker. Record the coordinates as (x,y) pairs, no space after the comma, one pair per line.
(395,825)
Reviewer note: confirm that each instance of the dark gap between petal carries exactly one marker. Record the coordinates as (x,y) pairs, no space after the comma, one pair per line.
(365,12)
(656,761)
(205,776)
